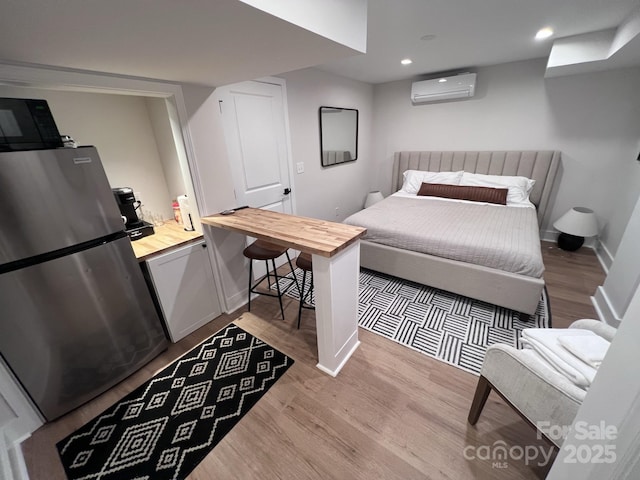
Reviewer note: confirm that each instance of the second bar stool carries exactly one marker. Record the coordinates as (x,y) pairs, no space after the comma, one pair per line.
(263,250)
(304,263)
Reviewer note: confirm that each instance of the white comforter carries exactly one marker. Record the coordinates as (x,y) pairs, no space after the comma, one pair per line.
(495,236)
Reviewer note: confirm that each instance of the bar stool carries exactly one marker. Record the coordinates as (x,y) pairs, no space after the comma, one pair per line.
(304,263)
(263,250)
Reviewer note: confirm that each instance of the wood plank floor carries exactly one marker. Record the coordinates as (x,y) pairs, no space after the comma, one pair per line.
(391,413)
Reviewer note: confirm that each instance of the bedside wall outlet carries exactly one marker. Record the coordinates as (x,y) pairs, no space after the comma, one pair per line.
(300,167)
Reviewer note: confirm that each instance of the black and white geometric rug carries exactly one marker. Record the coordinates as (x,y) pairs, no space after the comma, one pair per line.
(164,428)
(451,328)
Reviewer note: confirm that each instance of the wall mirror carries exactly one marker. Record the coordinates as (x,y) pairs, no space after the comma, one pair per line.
(338,135)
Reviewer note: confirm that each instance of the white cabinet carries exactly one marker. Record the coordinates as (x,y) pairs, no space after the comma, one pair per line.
(184,286)
(18,419)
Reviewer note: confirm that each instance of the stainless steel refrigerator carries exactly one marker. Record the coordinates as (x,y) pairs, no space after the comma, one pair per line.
(76,316)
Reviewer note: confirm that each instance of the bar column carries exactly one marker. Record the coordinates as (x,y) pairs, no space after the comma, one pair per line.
(336,284)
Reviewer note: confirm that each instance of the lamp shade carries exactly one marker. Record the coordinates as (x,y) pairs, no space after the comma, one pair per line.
(372,197)
(579,221)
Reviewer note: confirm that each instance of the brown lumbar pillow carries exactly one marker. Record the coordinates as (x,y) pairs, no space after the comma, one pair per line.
(461,192)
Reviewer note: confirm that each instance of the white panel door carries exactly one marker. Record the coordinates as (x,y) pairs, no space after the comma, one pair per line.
(256,136)
(255,132)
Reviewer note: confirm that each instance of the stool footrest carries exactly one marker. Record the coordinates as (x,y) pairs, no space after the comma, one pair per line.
(249,251)
(292,282)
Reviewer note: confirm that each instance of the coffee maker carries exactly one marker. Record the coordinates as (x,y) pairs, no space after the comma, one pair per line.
(133,225)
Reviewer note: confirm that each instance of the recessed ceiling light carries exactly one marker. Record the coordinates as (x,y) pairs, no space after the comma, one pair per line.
(442,80)
(406,61)
(543,33)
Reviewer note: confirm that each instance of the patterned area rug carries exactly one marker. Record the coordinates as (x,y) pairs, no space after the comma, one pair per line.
(451,328)
(164,428)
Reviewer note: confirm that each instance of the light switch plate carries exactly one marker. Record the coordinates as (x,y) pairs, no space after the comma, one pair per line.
(300,167)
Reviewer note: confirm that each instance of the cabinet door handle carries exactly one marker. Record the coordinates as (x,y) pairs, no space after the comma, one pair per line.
(287,191)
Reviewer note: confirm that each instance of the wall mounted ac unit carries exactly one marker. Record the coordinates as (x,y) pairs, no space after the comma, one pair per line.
(444,88)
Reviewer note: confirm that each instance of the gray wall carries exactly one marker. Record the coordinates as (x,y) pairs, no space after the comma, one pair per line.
(119,126)
(214,180)
(612,299)
(320,190)
(613,402)
(167,148)
(594,119)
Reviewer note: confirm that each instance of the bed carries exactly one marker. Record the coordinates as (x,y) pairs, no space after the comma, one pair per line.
(508,283)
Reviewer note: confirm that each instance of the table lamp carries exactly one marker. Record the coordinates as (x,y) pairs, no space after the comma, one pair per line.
(372,197)
(577,223)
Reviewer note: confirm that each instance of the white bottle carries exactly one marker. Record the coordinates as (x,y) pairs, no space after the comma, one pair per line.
(185,213)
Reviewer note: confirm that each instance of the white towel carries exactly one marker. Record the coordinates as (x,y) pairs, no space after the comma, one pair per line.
(544,341)
(591,349)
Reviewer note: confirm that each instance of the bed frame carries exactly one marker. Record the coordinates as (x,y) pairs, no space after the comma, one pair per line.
(509,290)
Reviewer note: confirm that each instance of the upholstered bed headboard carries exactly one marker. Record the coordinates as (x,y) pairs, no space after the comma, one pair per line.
(540,166)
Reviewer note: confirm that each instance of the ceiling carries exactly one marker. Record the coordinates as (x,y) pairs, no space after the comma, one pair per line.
(473,33)
(223,41)
(205,42)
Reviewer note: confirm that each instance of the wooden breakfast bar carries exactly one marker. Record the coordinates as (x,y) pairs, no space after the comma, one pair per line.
(335,250)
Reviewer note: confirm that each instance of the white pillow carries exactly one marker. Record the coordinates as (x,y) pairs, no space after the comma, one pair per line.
(413,179)
(519,187)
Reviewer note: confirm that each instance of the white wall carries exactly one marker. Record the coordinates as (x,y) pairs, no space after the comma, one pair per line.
(319,191)
(613,298)
(613,400)
(166,145)
(18,419)
(594,119)
(215,189)
(120,128)
(343,21)
(209,150)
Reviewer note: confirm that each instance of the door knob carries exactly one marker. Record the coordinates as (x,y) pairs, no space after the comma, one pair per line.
(287,191)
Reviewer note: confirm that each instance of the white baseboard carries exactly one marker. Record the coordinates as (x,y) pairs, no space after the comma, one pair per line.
(600,300)
(604,256)
(552,236)
(605,310)
(18,467)
(602,252)
(236,301)
(12,466)
(549,236)
(6,472)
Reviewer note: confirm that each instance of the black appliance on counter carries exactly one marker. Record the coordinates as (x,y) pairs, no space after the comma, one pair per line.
(128,205)
(27,124)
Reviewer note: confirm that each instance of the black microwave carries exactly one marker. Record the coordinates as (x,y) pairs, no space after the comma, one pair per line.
(27,124)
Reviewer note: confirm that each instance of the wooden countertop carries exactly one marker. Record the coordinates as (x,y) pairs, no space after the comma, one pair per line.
(166,236)
(305,234)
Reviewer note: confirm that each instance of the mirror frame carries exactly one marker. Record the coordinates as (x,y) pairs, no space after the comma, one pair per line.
(320,110)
